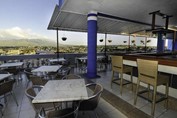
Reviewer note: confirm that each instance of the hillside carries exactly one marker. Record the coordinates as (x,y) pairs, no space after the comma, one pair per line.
(27,42)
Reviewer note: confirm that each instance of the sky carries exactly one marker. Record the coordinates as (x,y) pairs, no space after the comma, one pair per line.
(29,19)
(26,17)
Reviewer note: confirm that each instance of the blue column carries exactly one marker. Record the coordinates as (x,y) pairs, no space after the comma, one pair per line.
(92,45)
(170,43)
(160,43)
(175,45)
(60,2)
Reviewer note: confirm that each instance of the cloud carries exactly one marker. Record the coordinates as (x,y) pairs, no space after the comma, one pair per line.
(19,33)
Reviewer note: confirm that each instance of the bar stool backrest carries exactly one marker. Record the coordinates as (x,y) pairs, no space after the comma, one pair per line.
(147,71)
(117,63)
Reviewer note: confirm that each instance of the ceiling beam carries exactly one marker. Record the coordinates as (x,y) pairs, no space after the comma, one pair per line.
(125,19)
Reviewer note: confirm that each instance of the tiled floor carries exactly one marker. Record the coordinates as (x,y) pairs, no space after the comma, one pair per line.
(104,110)
(128,96)
(25,110)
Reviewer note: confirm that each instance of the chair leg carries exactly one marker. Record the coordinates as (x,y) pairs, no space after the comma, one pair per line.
(41,113)
(96,115)
(5,99)
(121,82)
(166,92)
(1,112)
(131,79)
(136,94)
(154,101)
(14,97)
(148,90)
(1,107)
(27,84)
(112,78)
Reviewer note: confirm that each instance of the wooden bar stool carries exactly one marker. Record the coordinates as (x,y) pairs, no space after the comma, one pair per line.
(148,74)
(118,67)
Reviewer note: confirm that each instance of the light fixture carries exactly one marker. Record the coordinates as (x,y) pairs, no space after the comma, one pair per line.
(64,38)
(133,41)
(101,40)
(109,41)
(148,41)
(142,41)
(125,41)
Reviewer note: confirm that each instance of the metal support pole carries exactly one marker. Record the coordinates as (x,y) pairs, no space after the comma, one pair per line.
(129,43)
(174,40)
(105,45)
(57,45)
(153,21)
(145,42)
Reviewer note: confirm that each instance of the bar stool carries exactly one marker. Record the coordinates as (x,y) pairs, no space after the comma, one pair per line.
(118,67)
(148,74)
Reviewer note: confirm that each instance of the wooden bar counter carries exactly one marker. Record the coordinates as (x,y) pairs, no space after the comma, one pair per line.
(167,64)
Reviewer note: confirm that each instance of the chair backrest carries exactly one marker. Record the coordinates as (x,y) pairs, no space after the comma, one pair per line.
(56,63)
(117,63)
(28,72)
(12,70)
(92,102)
(65,113)
(72,76)
(36,80)
(31,94)
(6,86)
(64,71)
(3,72)
(147,71)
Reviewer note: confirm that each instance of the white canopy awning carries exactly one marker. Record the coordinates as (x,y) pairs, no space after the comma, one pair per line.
(72,15)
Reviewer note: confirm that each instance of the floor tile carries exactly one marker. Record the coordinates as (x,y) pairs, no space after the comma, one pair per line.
(169,114)
(104,109)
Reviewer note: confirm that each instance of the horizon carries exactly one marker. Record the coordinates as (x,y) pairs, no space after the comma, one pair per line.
(29,20)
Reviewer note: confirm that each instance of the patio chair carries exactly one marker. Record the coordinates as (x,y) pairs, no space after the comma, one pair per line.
(63,71)
(40,109)
(13,70)
(71,112)
(4,72)
(28,75)
(6,88)
(72,76)
(36,80)
(92,103)
(1,107)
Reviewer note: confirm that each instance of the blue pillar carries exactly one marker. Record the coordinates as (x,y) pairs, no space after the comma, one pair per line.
(60,2)
(160,43)
(170,43)
(175,45)
(92,45)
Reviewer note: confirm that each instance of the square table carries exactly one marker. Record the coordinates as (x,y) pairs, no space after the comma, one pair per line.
(4,76)
(47,69)
(62,91)
(15,64)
